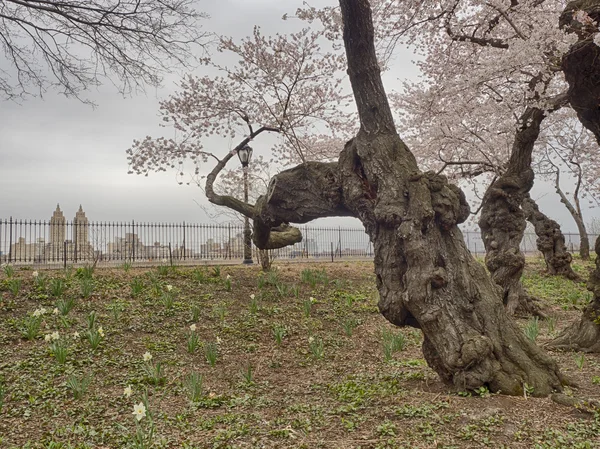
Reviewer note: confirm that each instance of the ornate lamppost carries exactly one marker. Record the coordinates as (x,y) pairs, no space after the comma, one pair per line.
(245,153)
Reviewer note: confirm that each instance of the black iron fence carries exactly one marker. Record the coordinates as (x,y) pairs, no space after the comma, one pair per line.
(37,242)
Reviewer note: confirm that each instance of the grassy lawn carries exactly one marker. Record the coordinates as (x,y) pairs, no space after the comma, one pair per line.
(228,357)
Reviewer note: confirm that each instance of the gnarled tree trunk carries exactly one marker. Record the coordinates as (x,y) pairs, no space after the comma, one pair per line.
(581,64)
(502,220)
(425,274)
(550,241)
(585,334)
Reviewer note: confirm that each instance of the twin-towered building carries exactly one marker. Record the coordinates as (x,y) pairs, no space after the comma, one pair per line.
(70,240)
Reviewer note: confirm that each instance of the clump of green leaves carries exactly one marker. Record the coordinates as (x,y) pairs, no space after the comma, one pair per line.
(199,275)
(248,374)
(219,311)
(94,336)
(279,332)
(282,289)
(116,307)
(14,286)
(86,286)
(580,360)
(59,350)
(58,286)
(392,342)
(40,282)
(126,266)
(211,352)
(349,324)
(307,307)
(9,270)
(30,327)
(64,306)
(216,272)
(192,342)
(193,383)
(2,393)
(78,385)
(532,328)
(316,347)
(163,270)
(195,309)
(253,306)
(86,272)
(91,319)
(168,299)
(155,373)
(314,277)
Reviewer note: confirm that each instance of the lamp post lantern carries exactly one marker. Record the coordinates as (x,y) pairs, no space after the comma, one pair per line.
(245,153)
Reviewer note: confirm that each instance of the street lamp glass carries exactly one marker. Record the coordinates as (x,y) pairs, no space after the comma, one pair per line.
(245,153)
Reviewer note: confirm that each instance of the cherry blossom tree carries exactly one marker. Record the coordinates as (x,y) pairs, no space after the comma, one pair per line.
(569,149)
(491,73)
(582,70)
(287,85)
(72,45)
(425,274)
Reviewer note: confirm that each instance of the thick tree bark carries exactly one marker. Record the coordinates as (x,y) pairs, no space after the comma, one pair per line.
(502,220)
(581,64)
(585,334)
(550,241)
(425,274)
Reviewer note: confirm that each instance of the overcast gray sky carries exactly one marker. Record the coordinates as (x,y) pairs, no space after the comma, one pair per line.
(58,150)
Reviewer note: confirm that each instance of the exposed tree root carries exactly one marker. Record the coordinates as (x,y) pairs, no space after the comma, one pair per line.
(583,405)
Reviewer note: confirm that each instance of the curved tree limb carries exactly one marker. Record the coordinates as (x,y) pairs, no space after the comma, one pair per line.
(226,200)
(298,195)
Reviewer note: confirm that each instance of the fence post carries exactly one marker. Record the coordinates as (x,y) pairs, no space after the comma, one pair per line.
(170,255)
(332,251)
(132,240)
(65,255)
(183,246)
(10,241)
(229,241)
(74,226)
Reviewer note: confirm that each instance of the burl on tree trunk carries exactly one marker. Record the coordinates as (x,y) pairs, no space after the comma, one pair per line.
(425,274)
(585,334)
(550,241)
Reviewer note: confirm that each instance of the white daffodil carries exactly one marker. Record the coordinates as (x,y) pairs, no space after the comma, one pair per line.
(219,340)
(37,312)
(169,288)
(75,334)
(55,311)
(55,335)
(164,261)
(311,339)
(47,337)
(42,311)
(35,274)
(228,276)
(252,296)
(193,327)
(312,299)
(128,391)
(139,411)
(147,356)
(101,331)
